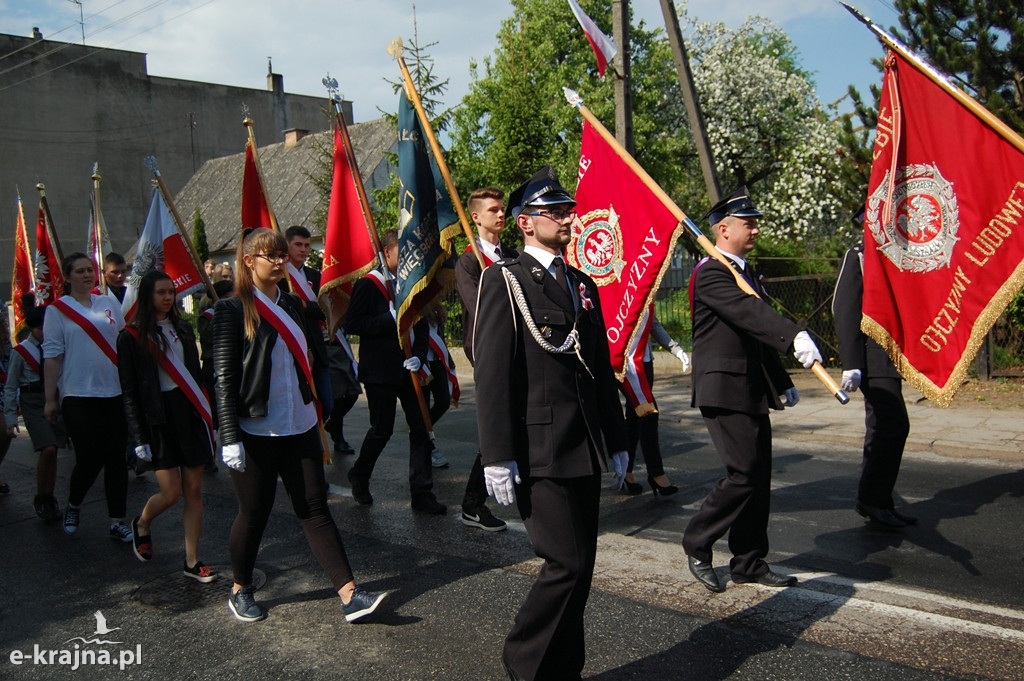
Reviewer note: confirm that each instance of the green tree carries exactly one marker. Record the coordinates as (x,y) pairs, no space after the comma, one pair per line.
(199,236)
(978,44)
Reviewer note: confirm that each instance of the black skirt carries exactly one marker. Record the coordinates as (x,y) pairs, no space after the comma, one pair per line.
(184,440)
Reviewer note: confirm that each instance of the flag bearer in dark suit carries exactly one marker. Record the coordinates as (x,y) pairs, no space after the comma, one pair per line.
(866,366)
(547,409)
(737,377)
(386,376)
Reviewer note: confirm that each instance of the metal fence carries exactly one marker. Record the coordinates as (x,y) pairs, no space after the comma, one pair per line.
(807,300)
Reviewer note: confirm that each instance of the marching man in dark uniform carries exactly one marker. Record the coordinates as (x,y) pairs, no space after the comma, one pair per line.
(737,377)
(546,395)
(866,366)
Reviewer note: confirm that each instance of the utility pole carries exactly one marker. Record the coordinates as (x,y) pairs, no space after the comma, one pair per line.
(693,110)
(81,17)
(623,80)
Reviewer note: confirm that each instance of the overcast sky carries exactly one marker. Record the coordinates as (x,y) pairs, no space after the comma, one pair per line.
(229,41)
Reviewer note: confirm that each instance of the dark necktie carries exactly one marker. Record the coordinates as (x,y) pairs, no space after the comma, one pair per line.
(560,280)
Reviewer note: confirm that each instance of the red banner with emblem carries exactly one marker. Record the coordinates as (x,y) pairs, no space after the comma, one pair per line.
(348,251)
(943,254)
(22,281)
(48,260)
(622,237)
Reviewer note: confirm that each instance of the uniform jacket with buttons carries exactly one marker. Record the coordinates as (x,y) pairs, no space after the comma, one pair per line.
(540,409)
(736,341)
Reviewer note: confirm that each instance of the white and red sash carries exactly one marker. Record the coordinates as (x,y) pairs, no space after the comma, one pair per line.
(343,342)
(634,383)
(488,261)
(91,330)
(437,344)
(377,277)
(300,285)
(207,313)
(174,367)
(26,354)
(290,333)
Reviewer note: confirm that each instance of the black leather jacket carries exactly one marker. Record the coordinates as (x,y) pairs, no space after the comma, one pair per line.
(241,367)
(140,382)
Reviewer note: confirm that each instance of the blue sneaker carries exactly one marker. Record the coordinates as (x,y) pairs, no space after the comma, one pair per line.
(362,604)
(243,606)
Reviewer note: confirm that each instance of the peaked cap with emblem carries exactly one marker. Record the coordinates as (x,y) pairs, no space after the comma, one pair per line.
(738,204)
(543,189)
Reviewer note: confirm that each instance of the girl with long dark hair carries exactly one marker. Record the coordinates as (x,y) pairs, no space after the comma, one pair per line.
(168,415)
(80,363)
(260,349)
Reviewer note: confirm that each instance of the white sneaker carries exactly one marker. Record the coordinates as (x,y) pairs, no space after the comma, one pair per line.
(437,460)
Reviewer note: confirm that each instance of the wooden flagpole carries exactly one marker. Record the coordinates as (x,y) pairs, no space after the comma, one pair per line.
(971,104)
(574,99)
(395,50)
(99,225)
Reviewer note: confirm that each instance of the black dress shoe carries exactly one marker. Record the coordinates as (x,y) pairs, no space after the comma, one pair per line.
(360,489)
(428,504)
(908,519)
(767,579)
(705,574)
(631,488)
(882,516)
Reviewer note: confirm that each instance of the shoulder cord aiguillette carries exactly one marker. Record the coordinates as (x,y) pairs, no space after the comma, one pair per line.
(572,341)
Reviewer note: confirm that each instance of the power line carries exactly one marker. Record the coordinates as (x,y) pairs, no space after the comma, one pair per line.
(98,50)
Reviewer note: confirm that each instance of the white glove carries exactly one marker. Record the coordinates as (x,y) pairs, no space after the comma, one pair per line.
(234,456)
(499,479)
(413,364)
(805,351)
(790,397)
(144,453)
(851,380)
(620,461)
(682,357)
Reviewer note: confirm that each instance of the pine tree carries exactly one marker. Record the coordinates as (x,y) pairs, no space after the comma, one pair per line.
(199,236)
(979,44)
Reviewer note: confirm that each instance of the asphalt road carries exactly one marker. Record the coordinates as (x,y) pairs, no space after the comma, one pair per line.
(943,599)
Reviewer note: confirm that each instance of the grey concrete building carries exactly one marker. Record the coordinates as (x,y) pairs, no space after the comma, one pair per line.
(65,106)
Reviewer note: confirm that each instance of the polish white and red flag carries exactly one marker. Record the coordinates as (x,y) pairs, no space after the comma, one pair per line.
(603,46)
(162,247)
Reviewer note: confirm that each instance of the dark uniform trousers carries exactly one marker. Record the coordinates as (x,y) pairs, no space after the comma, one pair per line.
(887,427)
(546,640)
(740,502)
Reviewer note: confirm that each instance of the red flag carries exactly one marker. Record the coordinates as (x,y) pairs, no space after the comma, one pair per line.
(256,210)
(941,257)
(603,46)
(622,238)
(162,247)
(22,283)
(49,276)
(348,252)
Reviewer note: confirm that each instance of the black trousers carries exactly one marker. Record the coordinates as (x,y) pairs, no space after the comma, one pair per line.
(886,429)
(739,504)
(298,460)
(381,400)
(476,489)
(336,424)
(98,432)
(436,392)
(644,430)
(546,641)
